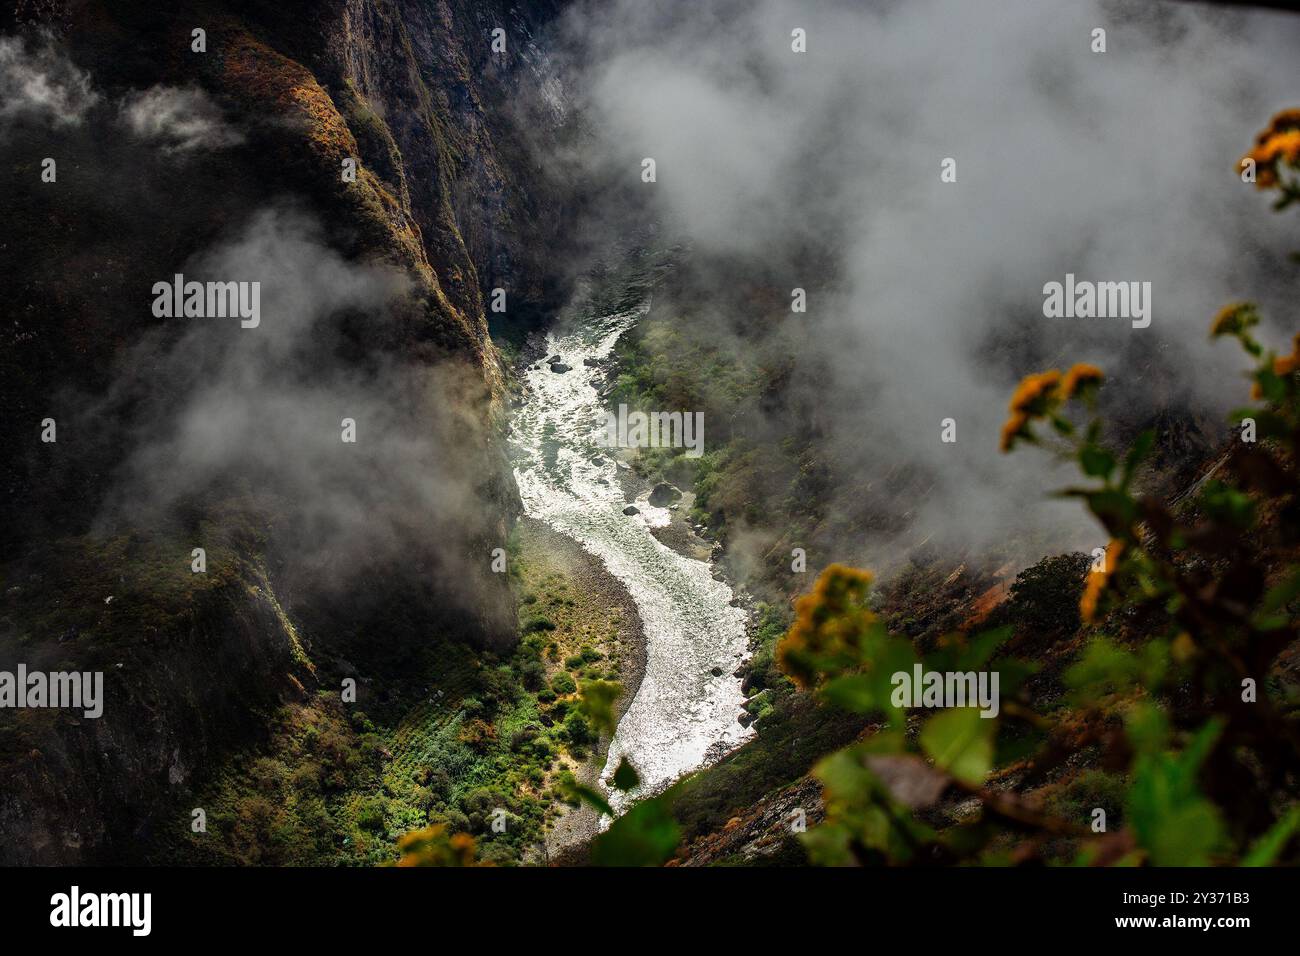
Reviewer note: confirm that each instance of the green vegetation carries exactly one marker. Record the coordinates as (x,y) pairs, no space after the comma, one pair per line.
(666,362)
(1150,719)
(489,739)
(333,785)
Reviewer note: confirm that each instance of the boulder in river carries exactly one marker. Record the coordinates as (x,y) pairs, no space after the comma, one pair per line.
(663,495)
(559,368)
(631,510)
(716,672)
(590,362)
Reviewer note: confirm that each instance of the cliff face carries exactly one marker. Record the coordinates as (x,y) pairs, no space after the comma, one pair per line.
(191,665)
(298,590)
(423,78)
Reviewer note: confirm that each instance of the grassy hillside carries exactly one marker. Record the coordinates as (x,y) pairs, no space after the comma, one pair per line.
(469,734)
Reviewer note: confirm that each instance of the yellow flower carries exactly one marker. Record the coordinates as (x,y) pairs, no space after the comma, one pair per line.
(1287,119)
(1279,143)
(1287,146)
(1285,365)
(1032,397)
(1079,377)
(1013,429)
(1284,146)
(829,623)
(433,847)
(1035,391)
(1097,581)
(1234,319)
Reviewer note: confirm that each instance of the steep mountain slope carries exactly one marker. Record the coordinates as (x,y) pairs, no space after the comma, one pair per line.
(174,160)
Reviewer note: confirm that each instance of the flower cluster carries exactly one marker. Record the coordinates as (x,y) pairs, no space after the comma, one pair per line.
(1278,144)
(1040,395)
(1236,319)
(433,846)
(830,623)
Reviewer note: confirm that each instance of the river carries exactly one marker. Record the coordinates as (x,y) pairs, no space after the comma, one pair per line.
(683,715)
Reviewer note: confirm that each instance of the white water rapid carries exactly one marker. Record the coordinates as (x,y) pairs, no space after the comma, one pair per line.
(683,716)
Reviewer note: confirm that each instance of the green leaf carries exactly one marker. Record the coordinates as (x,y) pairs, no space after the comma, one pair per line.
(1153,661)
(844,777)
(829,844)
(1096,461)
(626,777)
(1265,850)
(871,689)
(1199,748)
(646,835)
(1173,822)
(1116,509)
(961,742)
(575,792)
(1271,385)
(1185,835)
(597,703)
(1105,668)
(852,692)
(1147,728)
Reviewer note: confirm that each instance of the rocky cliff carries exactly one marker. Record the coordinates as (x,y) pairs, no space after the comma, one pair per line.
(171,158)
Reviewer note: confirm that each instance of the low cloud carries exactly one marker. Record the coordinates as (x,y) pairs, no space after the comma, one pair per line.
(178,119)
(925,297)
(42,84)
(211,411)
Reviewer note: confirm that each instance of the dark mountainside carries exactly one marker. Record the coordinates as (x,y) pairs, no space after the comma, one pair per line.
(96,569)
